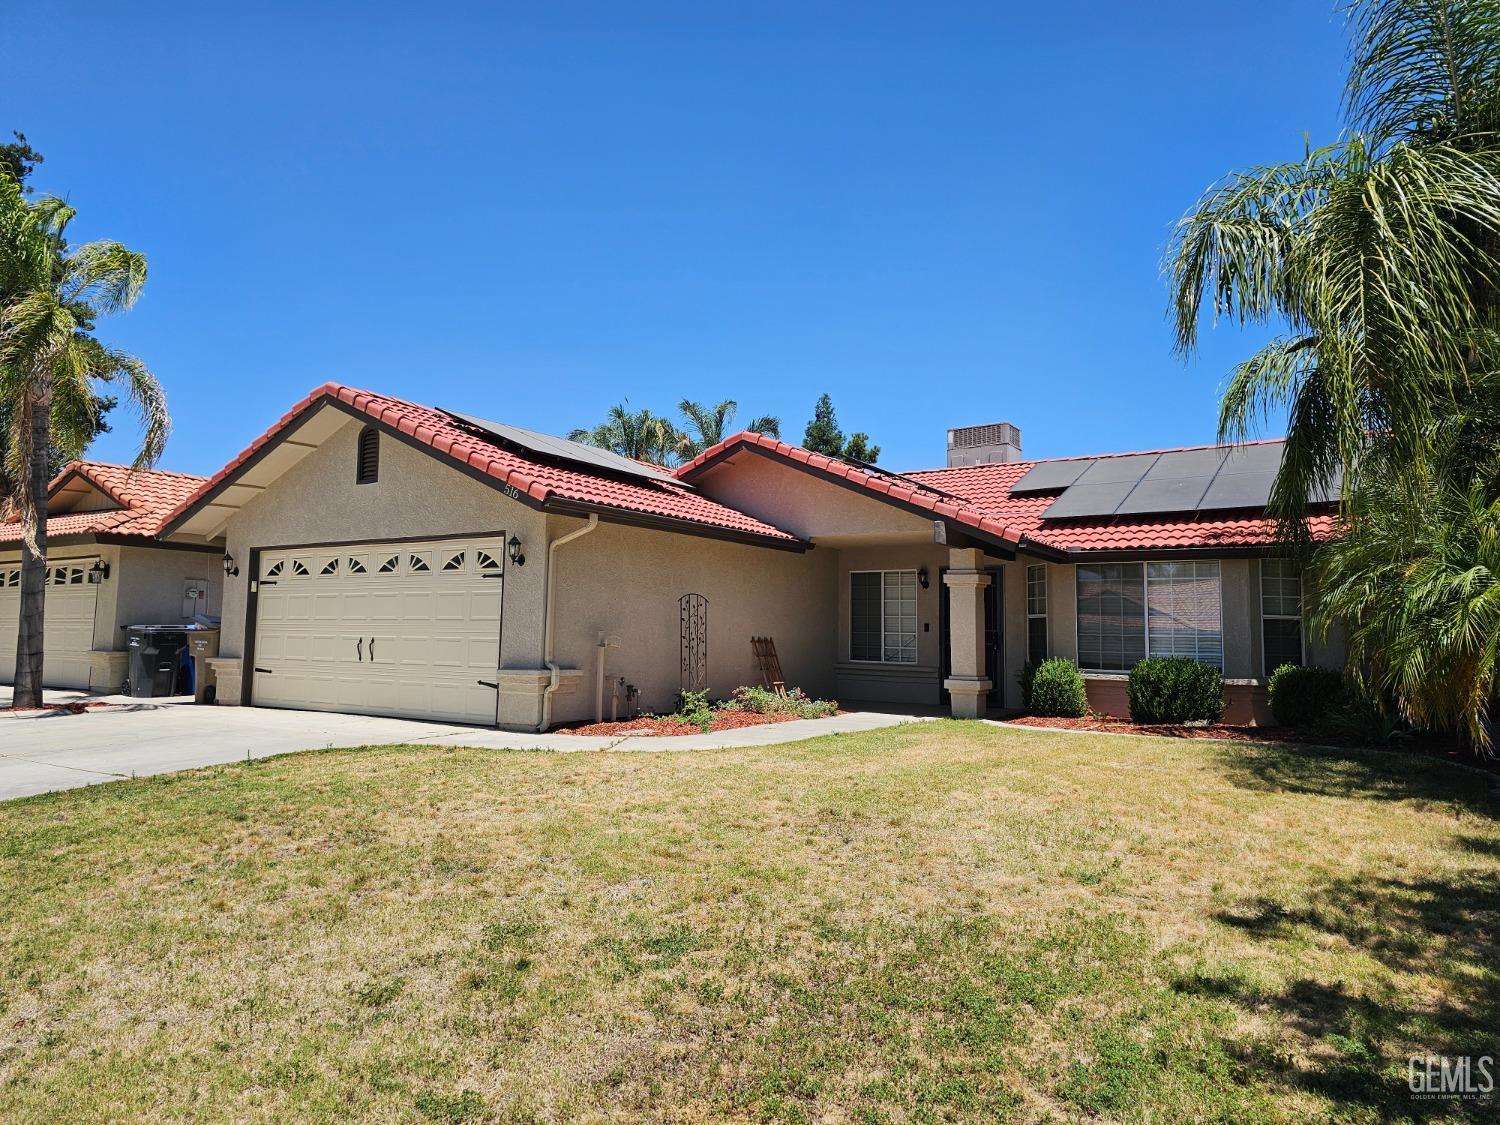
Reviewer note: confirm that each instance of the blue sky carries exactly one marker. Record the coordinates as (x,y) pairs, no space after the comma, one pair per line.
(940,213)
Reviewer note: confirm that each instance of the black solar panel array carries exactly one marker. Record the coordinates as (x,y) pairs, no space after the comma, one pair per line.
(1187,480)
(561,449)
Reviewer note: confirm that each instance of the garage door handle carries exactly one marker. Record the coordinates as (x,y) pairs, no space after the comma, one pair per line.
(372,650)
(264,672)
(486,683)
(359,648)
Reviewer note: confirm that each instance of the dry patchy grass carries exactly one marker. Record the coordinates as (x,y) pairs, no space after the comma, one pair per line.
(941,921)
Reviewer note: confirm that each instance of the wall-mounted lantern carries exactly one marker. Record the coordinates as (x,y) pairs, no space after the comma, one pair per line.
(230,570)
(922,577)
(514,547)
(98,572)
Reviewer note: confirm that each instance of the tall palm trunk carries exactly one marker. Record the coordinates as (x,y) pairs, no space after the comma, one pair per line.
(28,689)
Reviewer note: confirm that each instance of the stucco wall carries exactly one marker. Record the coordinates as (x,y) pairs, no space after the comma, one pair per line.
(148,585)
(805,505)
(626,582)
(893,683)
(317,501)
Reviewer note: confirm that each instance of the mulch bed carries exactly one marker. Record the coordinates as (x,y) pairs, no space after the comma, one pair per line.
(1435,746)
(651,727)
(77,707)
(1108,725)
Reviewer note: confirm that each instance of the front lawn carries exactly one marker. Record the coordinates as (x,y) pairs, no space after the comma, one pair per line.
(938,921)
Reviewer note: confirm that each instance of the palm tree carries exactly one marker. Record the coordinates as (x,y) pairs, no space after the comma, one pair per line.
(707,426)
(637,434)
(1415,576)
(51,365)
(1380,254)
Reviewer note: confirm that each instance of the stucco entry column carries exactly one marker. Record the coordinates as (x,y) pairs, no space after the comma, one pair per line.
(966,579)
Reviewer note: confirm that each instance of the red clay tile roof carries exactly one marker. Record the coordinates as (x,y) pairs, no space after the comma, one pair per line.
(932,499)
(146,497)
(988,486)
(544,483)
(979,496)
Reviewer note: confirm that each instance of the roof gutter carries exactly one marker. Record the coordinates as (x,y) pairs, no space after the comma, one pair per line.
(548,616)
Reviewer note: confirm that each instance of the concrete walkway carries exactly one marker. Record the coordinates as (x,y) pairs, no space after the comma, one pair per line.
(42,751)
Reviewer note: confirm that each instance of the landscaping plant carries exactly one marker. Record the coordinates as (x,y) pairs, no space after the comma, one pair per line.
(1301,693)
(1174,689)
(1057,689)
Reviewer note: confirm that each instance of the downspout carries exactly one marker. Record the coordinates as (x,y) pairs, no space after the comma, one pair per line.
(555,680)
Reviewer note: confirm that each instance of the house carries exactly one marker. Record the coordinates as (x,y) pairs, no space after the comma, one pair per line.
(392,558)
(106,569)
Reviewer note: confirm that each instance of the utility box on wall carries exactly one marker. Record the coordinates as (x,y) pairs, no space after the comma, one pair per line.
(194,597)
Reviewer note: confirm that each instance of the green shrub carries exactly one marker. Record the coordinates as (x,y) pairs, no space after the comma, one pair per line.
(1175,690)
(692,707)
(1302,694)
(1028,674)
(764,701)
(1353,718)
(1057,689)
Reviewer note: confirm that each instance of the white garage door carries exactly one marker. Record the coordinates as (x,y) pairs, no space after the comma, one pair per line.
(68,623)
(409,629)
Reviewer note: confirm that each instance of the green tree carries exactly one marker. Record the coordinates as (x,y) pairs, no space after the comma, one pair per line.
(638,434)
(706,426)
(51,365)
(824,436)
(19,159)
(1380,253)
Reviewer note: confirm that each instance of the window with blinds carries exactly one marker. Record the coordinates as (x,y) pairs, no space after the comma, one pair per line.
(883,616)
(1036,612)
(1129,611)
(1280,614)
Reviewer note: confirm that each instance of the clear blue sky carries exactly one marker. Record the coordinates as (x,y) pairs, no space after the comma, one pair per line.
(940,213)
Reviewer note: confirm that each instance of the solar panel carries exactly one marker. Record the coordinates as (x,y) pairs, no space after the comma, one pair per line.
(1239,490)
(1180,495)
(1089,500)
(1047,476)
(561,449)
(1111,470)
(1183,464)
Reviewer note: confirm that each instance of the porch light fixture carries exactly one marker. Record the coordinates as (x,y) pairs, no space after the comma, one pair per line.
(98,572)
(922,577)
(230,570)
(514,547)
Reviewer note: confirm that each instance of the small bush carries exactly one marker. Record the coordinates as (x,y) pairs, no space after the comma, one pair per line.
(1175,690)
(764,701)
(1057,689)
(1353,718)
(1302,694)
(692,707)
(1028,674)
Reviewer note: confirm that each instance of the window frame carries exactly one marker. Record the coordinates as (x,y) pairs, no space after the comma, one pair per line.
(1145,565)
(916,619)
(1043,616)
(1298,617)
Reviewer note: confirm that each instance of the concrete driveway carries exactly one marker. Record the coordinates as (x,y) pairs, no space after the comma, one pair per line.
(42,751)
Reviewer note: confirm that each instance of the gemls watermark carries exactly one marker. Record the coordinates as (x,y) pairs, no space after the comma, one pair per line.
(1451,1077)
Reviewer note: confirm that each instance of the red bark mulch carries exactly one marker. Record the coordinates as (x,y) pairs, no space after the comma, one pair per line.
(1107,725)
(78,707)
(651,727)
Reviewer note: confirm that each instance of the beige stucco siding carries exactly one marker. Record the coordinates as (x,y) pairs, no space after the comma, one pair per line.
(317,501)
(625,583)
(147,585)
(807,506)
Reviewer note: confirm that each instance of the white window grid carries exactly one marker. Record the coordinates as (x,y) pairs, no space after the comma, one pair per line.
(1168,627)
(898,617)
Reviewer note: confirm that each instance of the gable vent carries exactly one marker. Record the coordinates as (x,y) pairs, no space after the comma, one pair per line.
(368,469)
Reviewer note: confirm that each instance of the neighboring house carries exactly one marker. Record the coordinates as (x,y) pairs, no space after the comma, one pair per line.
(392,558)
(106,570)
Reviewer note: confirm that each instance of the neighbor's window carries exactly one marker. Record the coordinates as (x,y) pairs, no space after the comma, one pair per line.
(883,616)
(1280,613)
(1129,611)
(1036,612)
(368,469)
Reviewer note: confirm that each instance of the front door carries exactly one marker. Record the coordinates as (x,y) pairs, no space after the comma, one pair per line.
(994,647)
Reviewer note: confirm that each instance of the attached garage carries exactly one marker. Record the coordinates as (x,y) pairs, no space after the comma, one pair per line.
(71,606)
(397,628)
